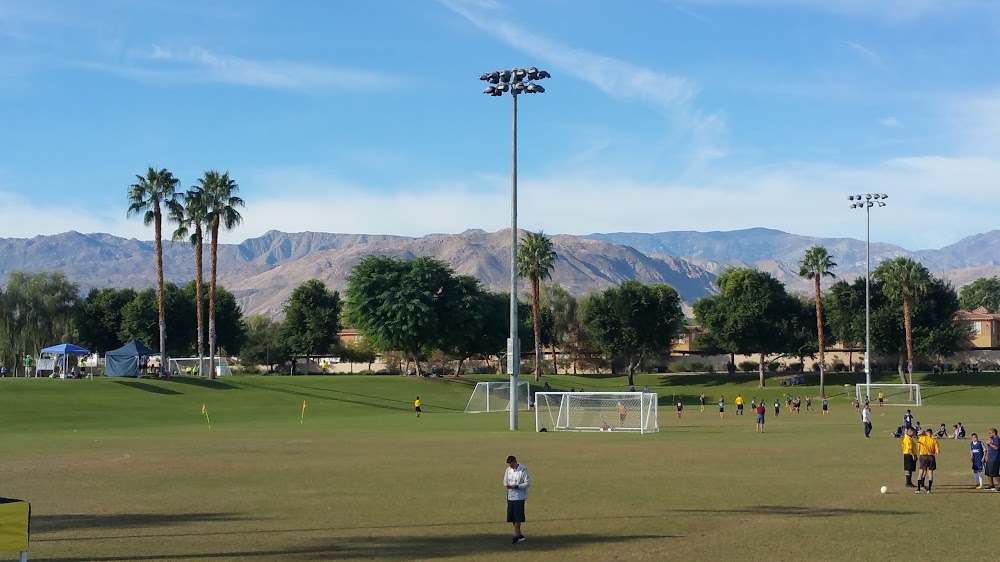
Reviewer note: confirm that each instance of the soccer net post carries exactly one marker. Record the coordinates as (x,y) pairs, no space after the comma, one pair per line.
(495,397)
(892,394)
(189,366)
(596,411)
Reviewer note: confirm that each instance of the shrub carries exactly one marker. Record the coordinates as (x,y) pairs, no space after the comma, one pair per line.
(748,366)
(773,366)
(794,367)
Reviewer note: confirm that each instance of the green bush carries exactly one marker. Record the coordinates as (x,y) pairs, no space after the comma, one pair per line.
(794,367)
(773,366)
(748,366)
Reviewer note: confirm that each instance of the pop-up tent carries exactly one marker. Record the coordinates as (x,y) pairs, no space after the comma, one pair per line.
(127,360)
(64,350)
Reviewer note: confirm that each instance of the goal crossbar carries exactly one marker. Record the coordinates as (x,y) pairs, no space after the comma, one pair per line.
(596,411)
(495,397)
(892,394)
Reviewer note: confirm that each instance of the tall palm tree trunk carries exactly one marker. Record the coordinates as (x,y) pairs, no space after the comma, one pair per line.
(537,306)
(819,330)
(158,221)
(200,300)
(211,300)
(908,326)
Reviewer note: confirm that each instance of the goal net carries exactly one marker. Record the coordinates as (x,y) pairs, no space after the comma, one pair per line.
(495,397)
(596,411)
(189,366)
(892,394)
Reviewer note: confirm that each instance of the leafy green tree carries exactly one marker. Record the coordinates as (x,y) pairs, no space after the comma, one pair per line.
(312,319)
(361,352)
(817,264)
(984,292)
(36,310)
(748,316)
(149,197)
(100,318)
(140,319)
(903,279)
(468,335)
(222,206)
(536,259)
(634,321)
(565,316)
(264,345)
(844,313)
(190,212)
(230,325)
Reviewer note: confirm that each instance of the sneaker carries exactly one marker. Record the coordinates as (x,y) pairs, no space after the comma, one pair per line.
(918,491)
(519,538)
(908,485)
(979,487)
(928,491)
(513,540)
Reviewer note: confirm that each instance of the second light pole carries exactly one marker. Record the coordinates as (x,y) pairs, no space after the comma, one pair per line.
(866,202)
(516,81)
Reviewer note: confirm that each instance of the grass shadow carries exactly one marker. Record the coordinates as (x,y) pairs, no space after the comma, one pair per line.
(327,397)
(408,403)
(66,522)
(417,547)
(148,387)
(214,384)
(797,511)
(962,379)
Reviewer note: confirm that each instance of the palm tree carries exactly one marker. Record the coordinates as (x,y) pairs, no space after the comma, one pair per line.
(816,264)
(535,260)
(902,279)
(148,196)
(221,204)
(190,218)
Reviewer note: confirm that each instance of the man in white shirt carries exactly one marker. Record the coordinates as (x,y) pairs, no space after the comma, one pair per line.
(866,418)
(516,480)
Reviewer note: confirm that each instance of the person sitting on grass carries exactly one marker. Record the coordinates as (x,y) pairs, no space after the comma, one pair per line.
(898,433)
(942,432)
(961,431)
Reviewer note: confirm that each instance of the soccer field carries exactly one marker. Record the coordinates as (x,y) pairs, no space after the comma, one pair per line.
(129,470)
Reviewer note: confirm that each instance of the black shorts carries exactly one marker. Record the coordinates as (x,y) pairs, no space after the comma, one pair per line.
(739,407)
(515,511)
(993,468)
(909,463)
(417,409)
(825,407)
(928,462)
(721,409)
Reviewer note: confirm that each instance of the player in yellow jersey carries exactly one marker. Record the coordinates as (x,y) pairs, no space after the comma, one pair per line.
(927,448)
(416,406)
(881,399)
(739,404)
(909,456)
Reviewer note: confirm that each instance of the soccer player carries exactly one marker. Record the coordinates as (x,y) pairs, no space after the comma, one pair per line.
(927,448)
(680,408)
(907,420)
(909,456)
(702,400)
(516,480)
(993,461)
(622,412)
(722,406)
(739,404)
(416,406)
(866,419)
(978,456)
(777,407)
(753,403)
(809,404)
(826,406)
(881,399)
(761,410)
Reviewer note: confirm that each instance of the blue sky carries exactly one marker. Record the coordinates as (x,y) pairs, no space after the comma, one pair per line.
(367,115)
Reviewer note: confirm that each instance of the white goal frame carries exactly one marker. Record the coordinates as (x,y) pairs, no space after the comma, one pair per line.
(499,402)
(177,365)
(860,390)
(648,411)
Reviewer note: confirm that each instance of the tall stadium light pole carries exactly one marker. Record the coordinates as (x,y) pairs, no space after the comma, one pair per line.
(516,81)
(866,202)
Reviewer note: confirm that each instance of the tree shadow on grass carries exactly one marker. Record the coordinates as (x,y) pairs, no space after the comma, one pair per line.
(417,547)
(962,379)
(712,379)
(214,384)
(408,403)
(76,522)
(326,397)
(148,387)
(797,511)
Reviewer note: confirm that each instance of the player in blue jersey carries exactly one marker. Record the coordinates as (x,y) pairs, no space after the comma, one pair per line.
(978,456)
(907,420)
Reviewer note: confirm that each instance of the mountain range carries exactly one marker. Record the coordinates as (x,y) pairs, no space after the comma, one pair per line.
(262,271)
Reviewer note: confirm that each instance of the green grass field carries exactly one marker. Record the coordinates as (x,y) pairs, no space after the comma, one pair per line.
(129,470)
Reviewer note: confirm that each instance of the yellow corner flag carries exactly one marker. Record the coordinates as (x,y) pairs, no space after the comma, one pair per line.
(204,412)
(303,418)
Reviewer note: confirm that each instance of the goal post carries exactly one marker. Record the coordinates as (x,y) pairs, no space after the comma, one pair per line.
(495,397)
(596,411)
(189,366)
(892,394)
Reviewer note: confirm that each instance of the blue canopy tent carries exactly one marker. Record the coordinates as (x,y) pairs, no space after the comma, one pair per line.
(127,360)
(65,350)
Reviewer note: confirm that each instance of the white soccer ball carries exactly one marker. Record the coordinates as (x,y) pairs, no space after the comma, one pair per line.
(884,489)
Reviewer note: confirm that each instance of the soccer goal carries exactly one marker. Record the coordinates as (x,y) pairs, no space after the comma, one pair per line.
(495,397)
(189,366)
(596,411)
(892,394)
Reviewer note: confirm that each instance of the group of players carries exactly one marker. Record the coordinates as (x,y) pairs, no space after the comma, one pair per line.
(920,452)
(794,404)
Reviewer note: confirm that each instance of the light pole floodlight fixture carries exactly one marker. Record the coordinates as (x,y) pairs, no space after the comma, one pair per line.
(849,197)
(868,196)
(884,196)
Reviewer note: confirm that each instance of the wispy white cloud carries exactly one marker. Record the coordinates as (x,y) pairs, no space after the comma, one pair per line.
(891,122)
(674,95)
(868,55)
(196,65)
(26,218)
(891,10)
